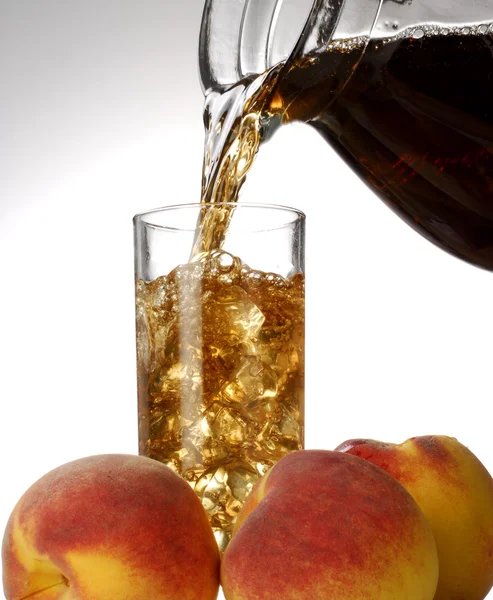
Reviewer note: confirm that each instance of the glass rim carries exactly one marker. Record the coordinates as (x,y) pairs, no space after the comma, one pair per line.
(144,218)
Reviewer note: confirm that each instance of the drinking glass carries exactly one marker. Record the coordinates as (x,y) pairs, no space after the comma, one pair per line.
(220,348)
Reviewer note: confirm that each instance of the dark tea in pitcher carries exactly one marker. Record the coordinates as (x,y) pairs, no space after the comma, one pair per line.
(414,119)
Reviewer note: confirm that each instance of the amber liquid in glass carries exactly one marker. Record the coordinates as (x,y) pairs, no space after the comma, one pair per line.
(220,376)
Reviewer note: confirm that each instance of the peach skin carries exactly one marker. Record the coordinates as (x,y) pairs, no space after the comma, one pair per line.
(110,527)
(455,492)
(323,525)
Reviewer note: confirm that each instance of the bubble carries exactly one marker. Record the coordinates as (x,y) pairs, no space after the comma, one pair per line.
(395,25)
(483,29)
(190,475)
(255,278)
(345,46)
(418,34)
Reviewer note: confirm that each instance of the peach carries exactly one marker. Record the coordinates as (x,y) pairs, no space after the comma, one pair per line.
(323,525)
(455,492)
(110,527)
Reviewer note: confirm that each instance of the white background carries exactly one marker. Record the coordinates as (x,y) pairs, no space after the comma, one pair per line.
(100,118)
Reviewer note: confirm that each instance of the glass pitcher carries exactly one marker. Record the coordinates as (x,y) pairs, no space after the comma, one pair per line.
(401,89)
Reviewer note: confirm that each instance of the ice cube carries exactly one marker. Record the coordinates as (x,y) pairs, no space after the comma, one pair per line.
(212,489)
(241,479)
(227,424)
(164,424)
(290,430)
(279,436)
(233,315)
(253,381)
(197,434)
